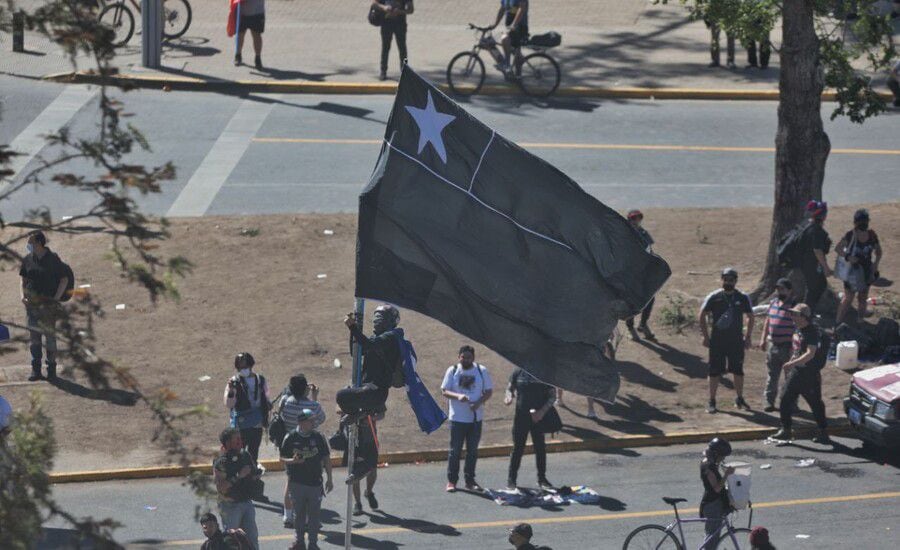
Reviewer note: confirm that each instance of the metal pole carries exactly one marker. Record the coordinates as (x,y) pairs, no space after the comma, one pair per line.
(151,37)
(352,431)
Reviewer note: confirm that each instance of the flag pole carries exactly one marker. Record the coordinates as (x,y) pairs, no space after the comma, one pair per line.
(237,29)
(352,431)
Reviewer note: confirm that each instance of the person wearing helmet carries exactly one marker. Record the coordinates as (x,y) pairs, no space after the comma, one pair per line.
(714,505)
(727,308)
(636,217)
(381,355)
(857,248)
(813,263)
(247,399)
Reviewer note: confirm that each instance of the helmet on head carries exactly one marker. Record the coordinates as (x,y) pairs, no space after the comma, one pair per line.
(634,214)
(729,272)
(817,209)
(718,448)
(861,215)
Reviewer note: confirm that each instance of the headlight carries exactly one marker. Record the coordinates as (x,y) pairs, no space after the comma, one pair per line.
(884,411)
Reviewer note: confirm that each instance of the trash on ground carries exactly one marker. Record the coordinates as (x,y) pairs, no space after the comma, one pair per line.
(328,232)
(120,306)
(802,536)
(337,363)
(150,508)
(322,276)
(765,467)
(204,378)
(805,462)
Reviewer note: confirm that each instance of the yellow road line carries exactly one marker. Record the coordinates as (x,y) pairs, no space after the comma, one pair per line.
(579,519)
(594,146)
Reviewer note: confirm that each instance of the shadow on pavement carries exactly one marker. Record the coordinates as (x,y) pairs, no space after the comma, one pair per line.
(116,397)
(191,46)
(62,539)
(358,541)
(417,525)
(684,363)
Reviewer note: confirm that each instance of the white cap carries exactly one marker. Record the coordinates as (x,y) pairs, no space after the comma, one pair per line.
(5,413)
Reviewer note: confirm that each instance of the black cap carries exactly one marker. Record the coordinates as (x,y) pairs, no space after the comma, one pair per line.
(784,282)
(209,517)
(729,272)
(522,529)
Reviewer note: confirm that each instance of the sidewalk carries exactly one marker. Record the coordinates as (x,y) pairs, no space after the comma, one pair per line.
(606,43)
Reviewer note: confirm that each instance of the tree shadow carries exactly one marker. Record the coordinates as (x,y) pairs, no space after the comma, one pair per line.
(330,517)
(110,395)
(416,525)
(638,374)
(358,541)
(192,46)
(281,74)
(53,538)
(686,364)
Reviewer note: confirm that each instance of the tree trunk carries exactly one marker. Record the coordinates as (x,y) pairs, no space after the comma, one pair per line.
(801,145)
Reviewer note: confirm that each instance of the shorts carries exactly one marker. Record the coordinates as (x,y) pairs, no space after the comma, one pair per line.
(255,23)
(726,357)
(519,36)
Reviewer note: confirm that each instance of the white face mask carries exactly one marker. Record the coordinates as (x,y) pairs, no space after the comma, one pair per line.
(244,372)
(29,247)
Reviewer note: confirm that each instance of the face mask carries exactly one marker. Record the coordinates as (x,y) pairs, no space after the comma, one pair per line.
(29,247)
(862,226)
(728,287)
(244,372)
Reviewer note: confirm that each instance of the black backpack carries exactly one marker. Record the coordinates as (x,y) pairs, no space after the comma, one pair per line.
(887,332)
(67,272)
(376,16)
(790,246)
(822,351)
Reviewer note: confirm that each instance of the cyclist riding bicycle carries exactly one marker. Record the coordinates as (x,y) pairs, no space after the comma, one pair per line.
(516,12)
(714,505)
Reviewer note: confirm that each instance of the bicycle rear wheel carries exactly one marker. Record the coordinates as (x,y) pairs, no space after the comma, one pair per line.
(120,19)
(741,535)
(538,75)
(176,18)
(465,73)
(651,537)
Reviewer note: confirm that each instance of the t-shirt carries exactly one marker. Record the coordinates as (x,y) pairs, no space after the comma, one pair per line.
(728,314)
(781,326)
(230,464)
(531,393)
(42,275)
(512,7)
(472,382)
(816,239)
(253,7)
(291,408)
(313,448)
(810,335)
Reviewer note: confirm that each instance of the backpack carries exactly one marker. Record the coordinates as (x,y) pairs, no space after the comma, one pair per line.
(376,16)
(790,246)
(887,333)
(547,40)
(277,430)
(70,277)
(821,356)
(867,344)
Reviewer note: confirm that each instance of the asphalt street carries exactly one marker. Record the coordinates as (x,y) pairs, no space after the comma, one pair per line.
(844,500)
(304,153)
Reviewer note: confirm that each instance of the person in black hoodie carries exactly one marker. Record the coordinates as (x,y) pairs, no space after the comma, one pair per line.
(533,400)
(44,282)
(381,355)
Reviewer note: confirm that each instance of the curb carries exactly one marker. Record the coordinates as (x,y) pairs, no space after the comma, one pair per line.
(130,80)
(415,457)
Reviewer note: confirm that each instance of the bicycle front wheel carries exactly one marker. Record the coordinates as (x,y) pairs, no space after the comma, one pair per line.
(465,74)
(538,75)
(651,537)
(176,18)
(120,19)
(741,535)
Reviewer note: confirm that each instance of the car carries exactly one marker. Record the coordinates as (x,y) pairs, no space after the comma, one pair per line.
(873,406)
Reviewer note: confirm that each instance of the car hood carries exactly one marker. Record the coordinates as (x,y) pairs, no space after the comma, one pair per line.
(881,382)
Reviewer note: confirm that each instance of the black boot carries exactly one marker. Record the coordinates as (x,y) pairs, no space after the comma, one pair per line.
(51,372)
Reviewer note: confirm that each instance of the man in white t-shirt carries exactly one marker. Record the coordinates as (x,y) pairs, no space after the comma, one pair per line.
(468,386)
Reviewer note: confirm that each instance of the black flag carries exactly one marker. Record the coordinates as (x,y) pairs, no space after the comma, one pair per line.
(466,227)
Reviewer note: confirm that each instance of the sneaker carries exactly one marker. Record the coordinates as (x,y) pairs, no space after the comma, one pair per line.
(35,376)
(51,372)
(288,523)
(357,509)
(511,485)
(711,407)
(648,334)
(545,485)
(474,486)
(592,415)
(822,438)
(770,408)
(238,60)
(373,502)
(299,545)
(257,62)
(451,487)
(739,403)
(782,435)
(261,470)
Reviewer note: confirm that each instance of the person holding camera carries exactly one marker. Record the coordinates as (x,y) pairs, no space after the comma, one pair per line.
(247,399)
(300,397)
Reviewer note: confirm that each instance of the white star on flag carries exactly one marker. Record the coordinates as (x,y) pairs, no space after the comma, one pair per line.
(431,123)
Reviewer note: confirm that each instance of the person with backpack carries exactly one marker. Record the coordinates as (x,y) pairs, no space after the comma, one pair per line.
(714,504)
(636,217)
(247,399)
(803,374)
(727,308)
(393,25)
(777,338)
(297,397)
(235,473)
(816,245)
(467,385)
(856,250)
(533,400)
(233,539)
(45,279)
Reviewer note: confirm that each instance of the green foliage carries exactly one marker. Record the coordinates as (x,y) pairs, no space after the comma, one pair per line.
(676,314)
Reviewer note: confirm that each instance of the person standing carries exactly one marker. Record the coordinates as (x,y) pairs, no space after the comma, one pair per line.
(467,385)
(777,337)
(803,374)
(305,453)
(252,18)
(813,263)
(533,400)
(727,307)
(233,473)
(247,399)
(636,217)
(714,505)
(381,355)
(394,26)
(300,396)
(761,28)
(711,19)
(44,282)
(857,248)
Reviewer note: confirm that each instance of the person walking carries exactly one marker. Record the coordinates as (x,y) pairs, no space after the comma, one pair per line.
(636,217)
(252,18)
(467,385)
(714,504)
(816,244)
(857,248)
(44,281)
(305,453)
(393,27)
(727,308)
(776,338)
(233,473)
(300,396)
(533,400)
(803,374)
(247,399)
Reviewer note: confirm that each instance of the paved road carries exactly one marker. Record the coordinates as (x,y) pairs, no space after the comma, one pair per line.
(843,501)
(300,153)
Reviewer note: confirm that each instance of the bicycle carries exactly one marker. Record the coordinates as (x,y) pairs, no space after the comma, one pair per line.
(658,537)
(537,74)
(118,16)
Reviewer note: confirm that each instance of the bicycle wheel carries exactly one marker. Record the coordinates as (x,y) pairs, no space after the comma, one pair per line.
(538,75)
(120,19)
(651,537)
(465,73)
(741,535)
(176,18)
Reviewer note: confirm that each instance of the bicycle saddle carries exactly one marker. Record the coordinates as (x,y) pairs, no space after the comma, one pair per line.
(673,501)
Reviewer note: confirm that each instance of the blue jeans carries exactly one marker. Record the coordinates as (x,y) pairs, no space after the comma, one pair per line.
(240,515)
(470,433)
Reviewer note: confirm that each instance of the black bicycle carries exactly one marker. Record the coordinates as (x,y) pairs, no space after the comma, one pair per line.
(537,74)
(119,17)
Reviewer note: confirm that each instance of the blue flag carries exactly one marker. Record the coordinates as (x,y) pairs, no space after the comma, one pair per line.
(429,414)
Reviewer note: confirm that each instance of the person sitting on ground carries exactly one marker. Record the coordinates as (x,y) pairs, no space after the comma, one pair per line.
(247,399)
(636,217)
(777,338)
(299,396)
(234,539)
(714,505)
(857,248)
(516,14)
(759,539)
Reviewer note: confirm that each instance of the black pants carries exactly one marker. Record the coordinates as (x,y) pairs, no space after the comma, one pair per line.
(809,385)
(368,398)
(388,30)
(645,315)
(522,426)
(715,32)
(765,51)
(252,438)
(816,283)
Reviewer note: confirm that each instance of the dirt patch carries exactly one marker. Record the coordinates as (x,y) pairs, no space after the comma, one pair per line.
(258,286)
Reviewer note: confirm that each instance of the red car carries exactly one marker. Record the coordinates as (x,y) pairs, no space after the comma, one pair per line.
(873,406)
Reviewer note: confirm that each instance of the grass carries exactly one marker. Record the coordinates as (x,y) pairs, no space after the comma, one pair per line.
(676,314)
